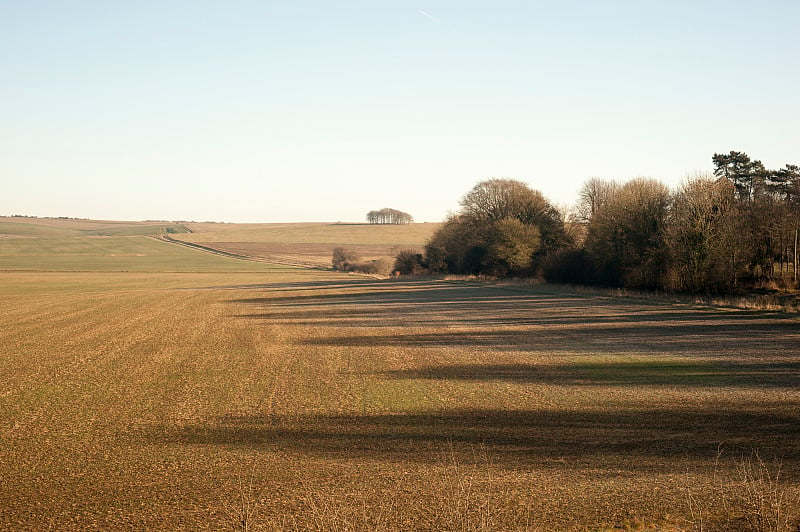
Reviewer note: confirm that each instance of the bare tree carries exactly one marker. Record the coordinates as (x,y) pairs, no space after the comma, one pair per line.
(704,237)
(594,193)
(625,238)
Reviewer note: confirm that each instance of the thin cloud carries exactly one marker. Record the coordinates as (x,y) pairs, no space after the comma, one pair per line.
(428,15)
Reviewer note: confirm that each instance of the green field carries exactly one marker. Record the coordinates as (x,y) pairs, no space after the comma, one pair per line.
(147,385)
(28,244)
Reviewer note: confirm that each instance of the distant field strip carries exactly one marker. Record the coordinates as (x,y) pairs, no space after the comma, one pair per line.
(45,244)
(309,244)
(171,240)
(118,253)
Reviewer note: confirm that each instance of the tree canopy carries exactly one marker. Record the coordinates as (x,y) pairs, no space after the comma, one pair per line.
(503,228)
(716,233)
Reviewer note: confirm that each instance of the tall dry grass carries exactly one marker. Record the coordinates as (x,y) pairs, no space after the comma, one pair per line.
(459,496)
(752,497)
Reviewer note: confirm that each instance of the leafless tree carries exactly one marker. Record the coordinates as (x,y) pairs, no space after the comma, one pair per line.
(625,238)
(594,193)
(704,237)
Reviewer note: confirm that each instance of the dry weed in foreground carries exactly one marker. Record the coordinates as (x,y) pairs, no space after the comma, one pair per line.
(753,497)
(768,303)
(457,502)
(460,504)
(243,507)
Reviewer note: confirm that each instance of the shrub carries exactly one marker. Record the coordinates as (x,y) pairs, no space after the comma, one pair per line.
(408,262)
(343,259)
(511,247)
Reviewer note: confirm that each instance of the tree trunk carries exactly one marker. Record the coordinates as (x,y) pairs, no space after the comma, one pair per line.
(795,254)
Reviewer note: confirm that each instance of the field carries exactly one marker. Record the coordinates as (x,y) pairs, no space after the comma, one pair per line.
(147,385)
(309,244)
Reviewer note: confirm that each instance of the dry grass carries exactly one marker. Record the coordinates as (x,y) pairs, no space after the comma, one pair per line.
(752,497)
(314,233)
(459,501)
(788,302)
(766,504)
(785,301)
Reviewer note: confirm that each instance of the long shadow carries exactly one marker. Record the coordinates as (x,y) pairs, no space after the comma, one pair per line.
(705,340)
(513,437)
(387,294)
(722,341)
(300,286)
(535,306)
(642,373)
(520,318)
(493,315)
(732,348)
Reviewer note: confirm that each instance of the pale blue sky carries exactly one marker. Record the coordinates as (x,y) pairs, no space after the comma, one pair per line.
(321,111)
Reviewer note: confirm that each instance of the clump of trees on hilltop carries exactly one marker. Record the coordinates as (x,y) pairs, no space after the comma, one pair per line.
(717,232)
(389,216)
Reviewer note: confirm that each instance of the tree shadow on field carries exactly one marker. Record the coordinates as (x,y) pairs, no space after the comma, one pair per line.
(696,340)
(300,286)
(457,314)
(723,348)
(639,373)
(513,437)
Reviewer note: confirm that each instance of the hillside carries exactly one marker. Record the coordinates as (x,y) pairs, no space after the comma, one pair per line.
(309,244)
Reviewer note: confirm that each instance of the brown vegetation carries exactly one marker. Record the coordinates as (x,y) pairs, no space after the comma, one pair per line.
(345,260)
(715,235)
(504,228)
(301,400)
(279,398)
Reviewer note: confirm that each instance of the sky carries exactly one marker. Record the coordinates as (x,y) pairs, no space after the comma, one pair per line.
(267,111)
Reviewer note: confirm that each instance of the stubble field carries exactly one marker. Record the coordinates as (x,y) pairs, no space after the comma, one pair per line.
(183,390)
(309,244)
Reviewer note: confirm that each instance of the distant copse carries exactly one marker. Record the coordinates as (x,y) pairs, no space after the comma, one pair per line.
(389,216)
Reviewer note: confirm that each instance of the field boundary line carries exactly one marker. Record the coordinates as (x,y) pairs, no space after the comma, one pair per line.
(207,249)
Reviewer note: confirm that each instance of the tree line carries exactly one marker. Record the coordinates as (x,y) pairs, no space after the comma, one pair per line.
(716,233)
(389,216)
